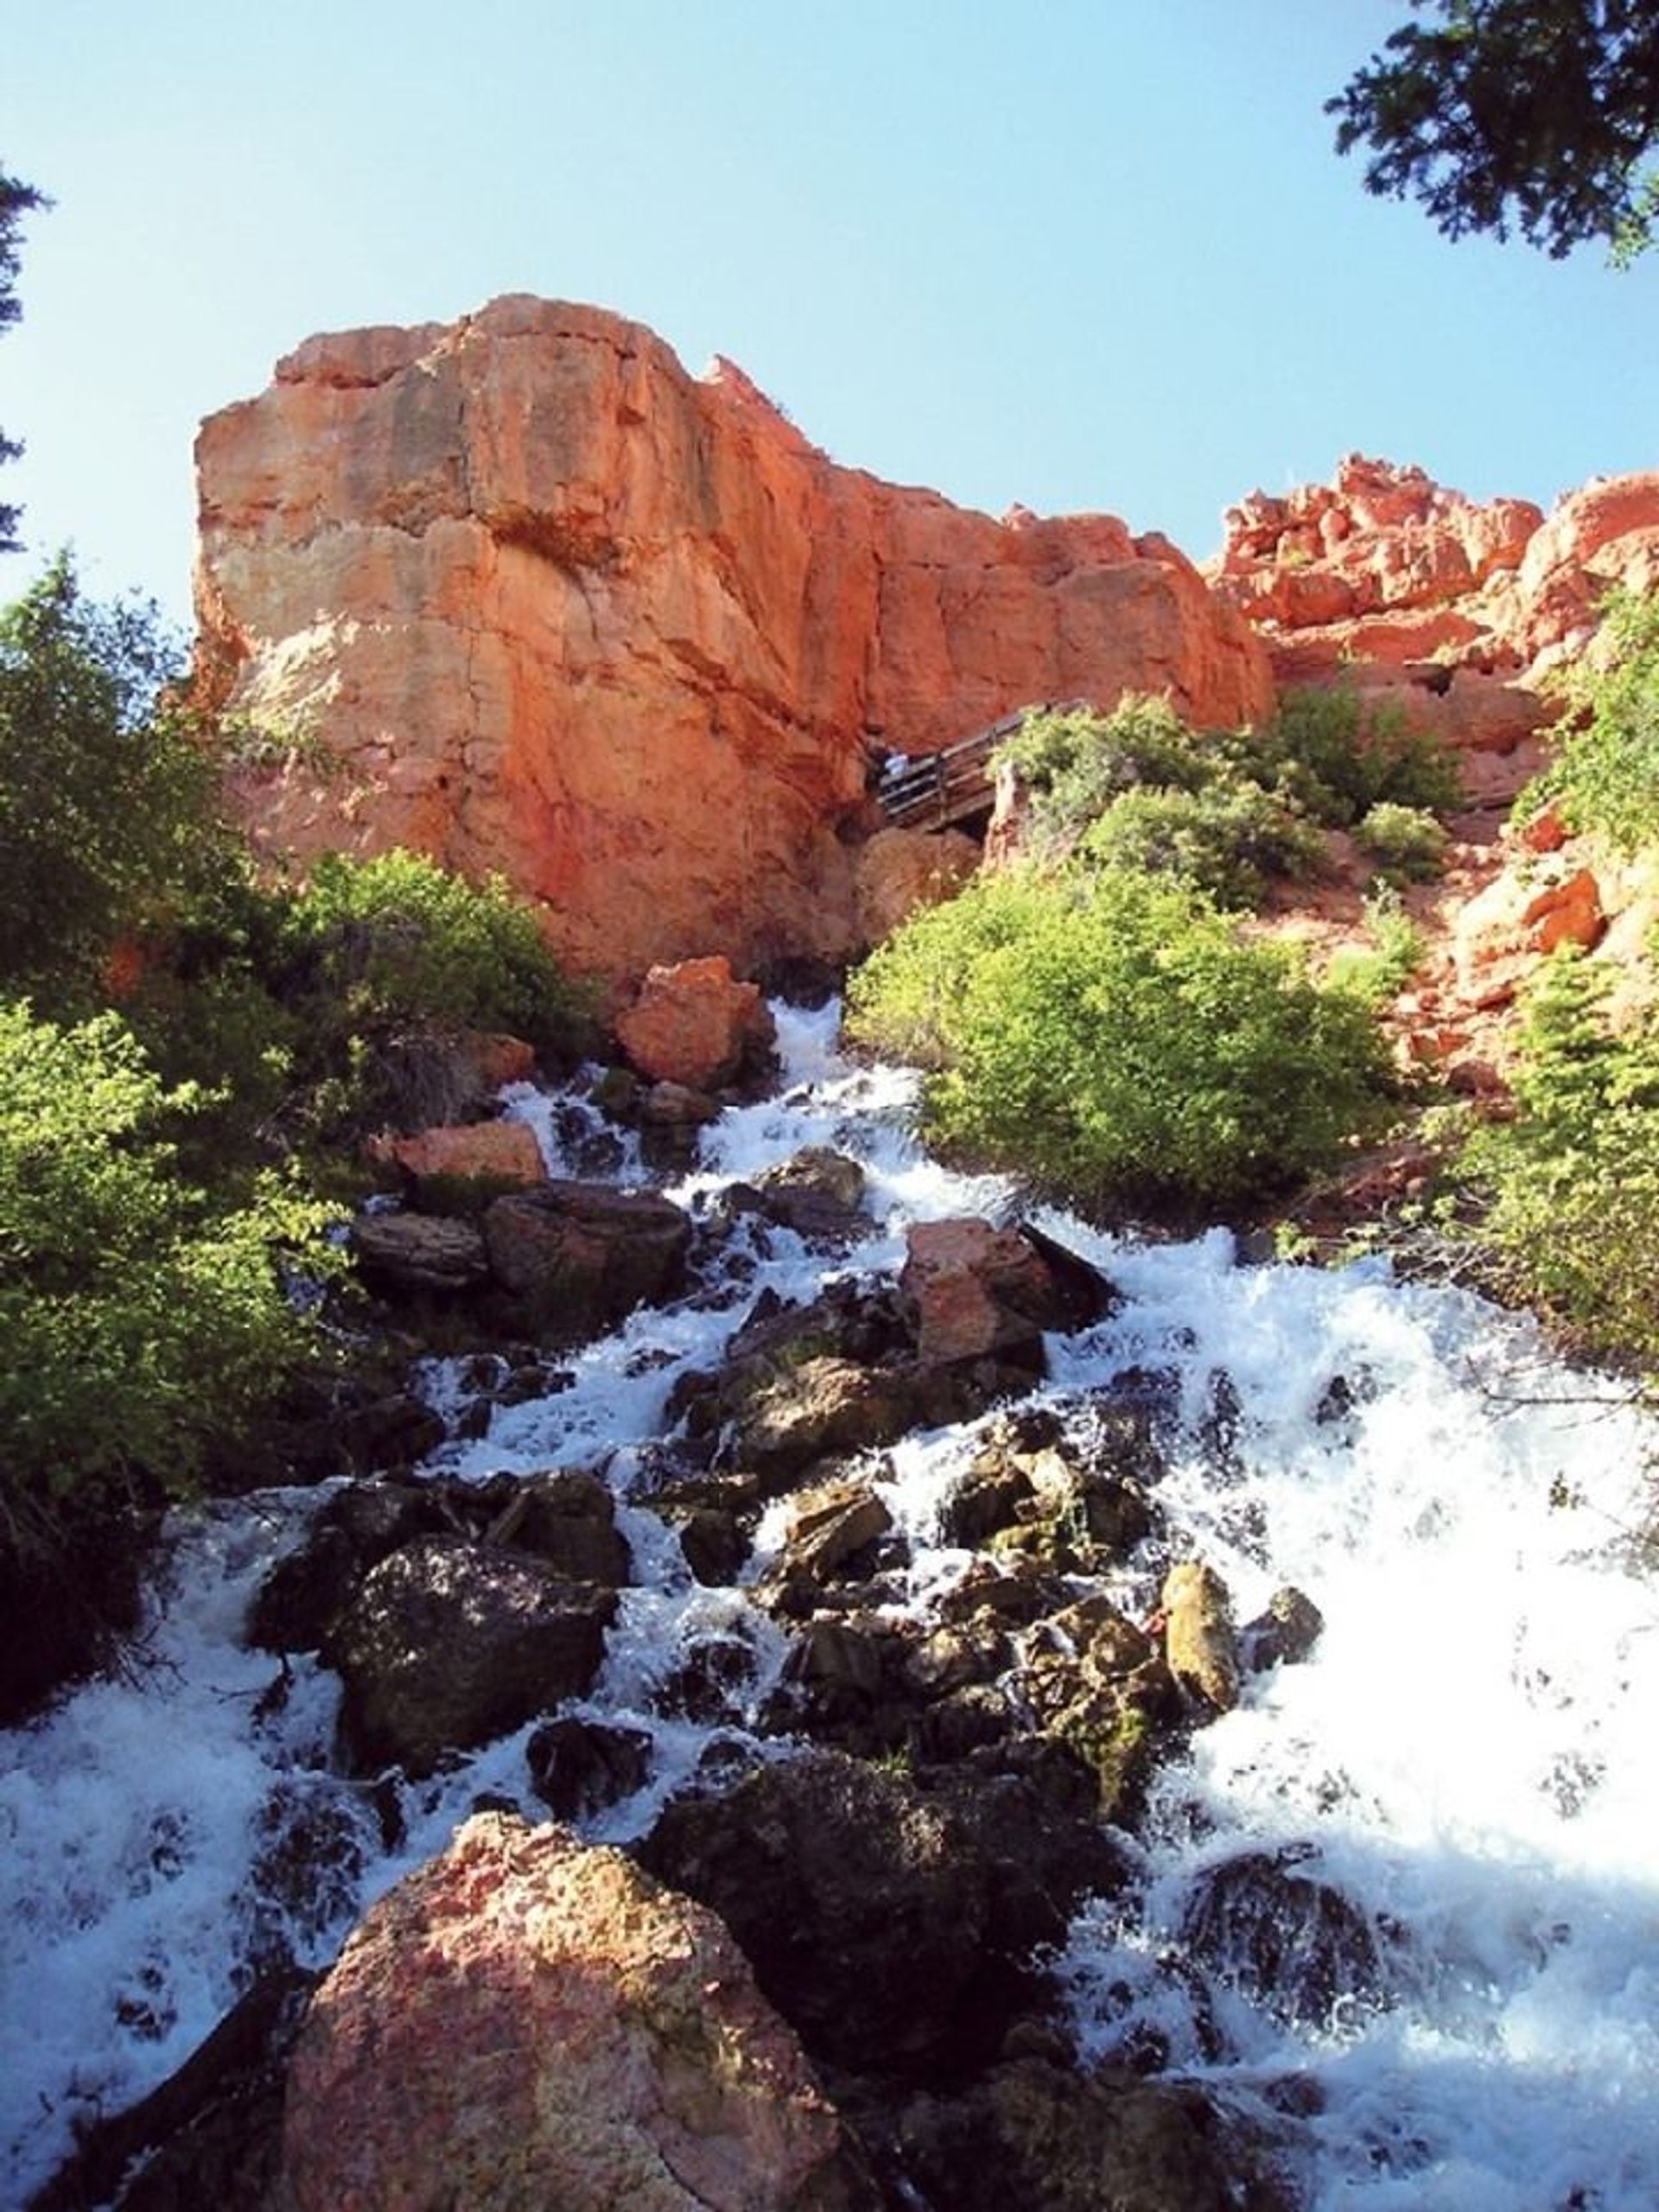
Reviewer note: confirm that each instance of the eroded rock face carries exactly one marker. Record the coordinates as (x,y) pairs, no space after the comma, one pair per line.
(530,2021)
(1457,608)
(555,607)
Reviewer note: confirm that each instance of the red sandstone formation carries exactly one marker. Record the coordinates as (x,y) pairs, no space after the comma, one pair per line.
(1456,609)
(541,602)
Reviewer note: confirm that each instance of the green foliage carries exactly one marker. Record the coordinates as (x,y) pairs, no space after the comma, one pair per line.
(1407,842)
(1226,841)
(1569,1188)
(1112,1037)
(140,1321)
(1076,762)
(1340,756)
(107,824)
(1227,809)
(1534,114)
(395,939)
(1604,774)
(1381,971)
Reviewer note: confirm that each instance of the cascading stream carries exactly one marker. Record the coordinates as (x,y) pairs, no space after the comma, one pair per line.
(1402,1897)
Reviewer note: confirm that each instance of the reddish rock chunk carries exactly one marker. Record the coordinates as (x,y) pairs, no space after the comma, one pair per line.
(982,1292)
(529,2020)
(496,1151)
(696,1025)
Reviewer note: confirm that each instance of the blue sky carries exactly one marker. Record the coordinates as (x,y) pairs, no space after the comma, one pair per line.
(1075,255)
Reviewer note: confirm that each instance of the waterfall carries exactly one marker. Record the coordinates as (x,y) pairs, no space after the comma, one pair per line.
(1460,1779)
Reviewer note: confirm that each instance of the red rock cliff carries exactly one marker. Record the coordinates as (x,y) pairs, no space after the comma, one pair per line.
(546,604)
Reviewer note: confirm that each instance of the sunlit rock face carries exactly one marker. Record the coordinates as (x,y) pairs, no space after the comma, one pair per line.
(537,600)
(1457,610)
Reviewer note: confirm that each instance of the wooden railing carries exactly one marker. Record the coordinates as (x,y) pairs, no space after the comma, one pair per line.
(928,791)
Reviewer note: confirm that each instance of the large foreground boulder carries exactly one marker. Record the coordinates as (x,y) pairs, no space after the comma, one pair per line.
(530,2022)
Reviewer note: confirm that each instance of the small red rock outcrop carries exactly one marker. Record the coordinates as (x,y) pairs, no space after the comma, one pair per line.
(696,1025)
(530,2020)
(539,601)
(1454,609)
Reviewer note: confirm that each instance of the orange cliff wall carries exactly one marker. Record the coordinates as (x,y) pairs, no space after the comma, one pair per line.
(543,603)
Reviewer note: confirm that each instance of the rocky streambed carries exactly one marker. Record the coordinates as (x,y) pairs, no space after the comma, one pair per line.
(935,1707)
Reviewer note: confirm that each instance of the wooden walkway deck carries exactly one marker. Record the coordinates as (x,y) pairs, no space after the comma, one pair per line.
(931,790)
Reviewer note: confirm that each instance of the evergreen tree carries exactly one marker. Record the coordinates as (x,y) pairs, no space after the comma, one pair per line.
(1534,115)
(16,199)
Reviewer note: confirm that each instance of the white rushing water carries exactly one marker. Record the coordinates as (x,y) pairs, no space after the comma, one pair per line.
(1467,1758)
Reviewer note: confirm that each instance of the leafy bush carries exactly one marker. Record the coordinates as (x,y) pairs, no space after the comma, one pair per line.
(1076,762)
(1605,775)
(1341,756)
(1380,971)
(1570,1187)
(1114,1038)
(106,815)
(140,1321)
(373,944)
(1408,844)
(1224,840)
(1229,808)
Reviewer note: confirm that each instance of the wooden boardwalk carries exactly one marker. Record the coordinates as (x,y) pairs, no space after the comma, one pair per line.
(931,790)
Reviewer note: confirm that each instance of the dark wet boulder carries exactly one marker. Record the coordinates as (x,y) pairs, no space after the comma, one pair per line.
(386,1435)
(566,1516)
(578,1257)
(419,1255)
(877,1916)
(579,1767)
(1045,2136)
(817,1192)
(1282,1635)
(821,1409)
(713,1543)
(830,1530)
(446,1644)
(1268,1923)
(305,1593)
(995,1494)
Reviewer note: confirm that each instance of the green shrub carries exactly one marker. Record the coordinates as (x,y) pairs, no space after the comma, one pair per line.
(1380,970)
(1114,1038)
(374,945)
(1605,775)
(1408,844)
(1569,1187)
(140,1321)
(1074,762)
(107,816)
(1226,841)
(1341,756)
